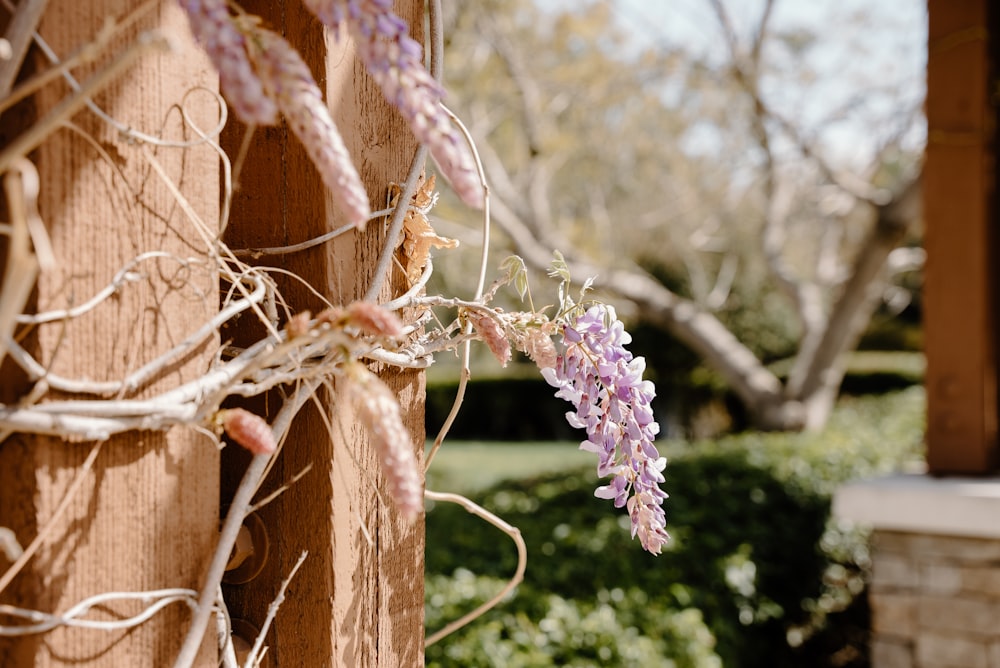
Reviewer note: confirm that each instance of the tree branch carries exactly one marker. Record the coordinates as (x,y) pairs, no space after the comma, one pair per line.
(756,386)
(531,120)
(819,367)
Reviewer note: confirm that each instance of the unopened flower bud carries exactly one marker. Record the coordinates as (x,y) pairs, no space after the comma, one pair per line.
(395,61)
(378,410)
(248,430)
(215,30)
(490,332)
(374,320)
(287,79)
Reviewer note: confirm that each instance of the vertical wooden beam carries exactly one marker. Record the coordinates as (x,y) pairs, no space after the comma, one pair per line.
(146,515)
(358,599)
(960,292)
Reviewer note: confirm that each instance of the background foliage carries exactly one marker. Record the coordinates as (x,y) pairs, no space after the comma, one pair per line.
(757,574)
(720,166)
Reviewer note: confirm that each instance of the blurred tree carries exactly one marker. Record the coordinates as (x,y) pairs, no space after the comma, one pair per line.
(709,190)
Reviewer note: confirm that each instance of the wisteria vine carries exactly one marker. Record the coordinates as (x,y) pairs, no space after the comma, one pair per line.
(581,350)
(595,372)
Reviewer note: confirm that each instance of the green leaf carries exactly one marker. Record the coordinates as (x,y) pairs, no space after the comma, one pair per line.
(517,274)
(559,268)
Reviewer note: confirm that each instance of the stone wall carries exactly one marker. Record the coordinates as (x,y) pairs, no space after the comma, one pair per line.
(935,601)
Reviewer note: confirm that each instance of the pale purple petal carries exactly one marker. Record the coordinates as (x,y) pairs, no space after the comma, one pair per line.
(288,80)
(599,376)
(395,61)
(213,28)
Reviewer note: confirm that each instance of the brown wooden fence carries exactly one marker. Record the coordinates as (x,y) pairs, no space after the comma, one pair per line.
(141,511)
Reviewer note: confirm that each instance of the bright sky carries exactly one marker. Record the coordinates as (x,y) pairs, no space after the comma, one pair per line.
(860,46)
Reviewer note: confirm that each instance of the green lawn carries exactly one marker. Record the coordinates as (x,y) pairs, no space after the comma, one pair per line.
(470,466)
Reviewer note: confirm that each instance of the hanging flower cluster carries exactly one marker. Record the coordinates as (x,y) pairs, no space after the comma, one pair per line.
(599,376)
(395,61)
(288,81)
(225,45)
(260,74)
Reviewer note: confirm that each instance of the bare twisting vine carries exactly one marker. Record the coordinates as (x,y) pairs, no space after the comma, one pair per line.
(579,345)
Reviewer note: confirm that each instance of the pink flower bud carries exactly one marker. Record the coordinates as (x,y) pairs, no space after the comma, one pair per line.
(248,430)
(491,333)
(374,320)
(378,410)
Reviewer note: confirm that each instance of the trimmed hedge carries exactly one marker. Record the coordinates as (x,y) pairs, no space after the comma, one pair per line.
(522,407)
(756,575)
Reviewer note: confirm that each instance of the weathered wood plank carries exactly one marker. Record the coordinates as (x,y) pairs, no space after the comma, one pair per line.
(354,602)
(146,515)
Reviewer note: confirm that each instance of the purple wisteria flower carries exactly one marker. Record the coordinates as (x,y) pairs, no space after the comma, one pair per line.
(287,80)
(599,376)
(225,45)
(395,61)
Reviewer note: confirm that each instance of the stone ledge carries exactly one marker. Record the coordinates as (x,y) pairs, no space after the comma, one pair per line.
(920,503)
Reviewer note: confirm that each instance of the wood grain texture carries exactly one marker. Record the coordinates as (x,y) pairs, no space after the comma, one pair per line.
(146,516)
(358,599)
(960,294)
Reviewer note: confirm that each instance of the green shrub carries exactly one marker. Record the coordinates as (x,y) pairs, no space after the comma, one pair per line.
(551,630)
(756,573)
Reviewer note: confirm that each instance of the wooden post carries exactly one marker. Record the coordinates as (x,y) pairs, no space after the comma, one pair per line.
(358,599)
(960,290)
(145,516)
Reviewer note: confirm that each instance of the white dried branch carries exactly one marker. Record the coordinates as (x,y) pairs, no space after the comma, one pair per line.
(38,132)
(257,253)
(36,372)
(418,287)
(465,374)
(269,362)
(18,36)
(148,372)
(154,601)
(224,622)
(272,361)
(522,561)
(255,652)
(395,229)
(238,510)
(122,277)
(21,265)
